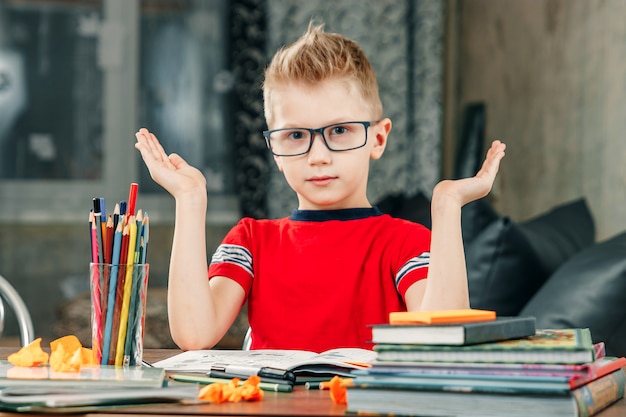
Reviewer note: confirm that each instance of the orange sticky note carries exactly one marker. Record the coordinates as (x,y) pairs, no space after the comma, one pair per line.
(441,316)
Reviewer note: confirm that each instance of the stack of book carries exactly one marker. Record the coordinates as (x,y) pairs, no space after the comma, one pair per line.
(40,389)
(493,367)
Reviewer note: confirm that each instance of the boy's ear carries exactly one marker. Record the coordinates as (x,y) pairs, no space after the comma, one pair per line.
(279,163)
(381,131)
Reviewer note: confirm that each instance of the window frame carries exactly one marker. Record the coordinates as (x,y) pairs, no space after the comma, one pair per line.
(68,201)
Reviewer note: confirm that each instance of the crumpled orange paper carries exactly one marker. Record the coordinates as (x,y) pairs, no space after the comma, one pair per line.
(67,355)
(62,361)
(232,391)
(29,355)
(338,389)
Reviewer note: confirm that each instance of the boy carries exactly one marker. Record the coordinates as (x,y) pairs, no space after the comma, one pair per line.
(315,280)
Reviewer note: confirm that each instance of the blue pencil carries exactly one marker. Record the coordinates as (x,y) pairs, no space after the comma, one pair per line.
(117,244)
(103,210)
(116,215)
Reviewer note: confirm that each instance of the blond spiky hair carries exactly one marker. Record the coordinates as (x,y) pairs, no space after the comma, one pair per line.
(316,56)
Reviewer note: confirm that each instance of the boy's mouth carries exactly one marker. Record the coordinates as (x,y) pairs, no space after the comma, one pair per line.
(321,181)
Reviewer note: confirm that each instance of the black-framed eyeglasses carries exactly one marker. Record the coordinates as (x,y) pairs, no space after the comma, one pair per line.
(338,137)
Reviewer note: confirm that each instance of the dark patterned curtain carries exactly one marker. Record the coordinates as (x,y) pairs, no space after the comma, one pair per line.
(248,60)
(404,41)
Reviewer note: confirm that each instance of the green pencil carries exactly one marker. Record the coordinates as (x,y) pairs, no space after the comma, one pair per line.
(205,380)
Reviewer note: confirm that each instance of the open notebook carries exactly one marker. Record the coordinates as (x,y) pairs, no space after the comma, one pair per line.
(331,362)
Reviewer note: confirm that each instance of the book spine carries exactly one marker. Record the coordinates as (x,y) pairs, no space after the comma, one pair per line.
(597,370)
(496,331)
(599,394)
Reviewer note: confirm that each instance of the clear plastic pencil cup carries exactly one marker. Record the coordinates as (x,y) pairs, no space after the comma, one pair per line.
(118,312)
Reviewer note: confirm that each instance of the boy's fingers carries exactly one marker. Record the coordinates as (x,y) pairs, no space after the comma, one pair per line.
(143,140)
(151,148)
(157,144)
(177,161)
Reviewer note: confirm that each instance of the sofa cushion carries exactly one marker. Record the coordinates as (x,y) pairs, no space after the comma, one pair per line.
(508,262)
(560,233)
(415,208)
(503,272)
(589,290)
(475,217)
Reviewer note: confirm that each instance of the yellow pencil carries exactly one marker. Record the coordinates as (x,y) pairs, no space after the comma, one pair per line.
(128,281)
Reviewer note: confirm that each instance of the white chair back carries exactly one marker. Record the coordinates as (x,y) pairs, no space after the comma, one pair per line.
(9,295)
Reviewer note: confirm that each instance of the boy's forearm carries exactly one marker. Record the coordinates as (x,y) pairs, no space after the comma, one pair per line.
(446,286)
(190,306)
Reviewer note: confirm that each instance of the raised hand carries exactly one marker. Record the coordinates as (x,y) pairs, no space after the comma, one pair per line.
(466,190)
(446,286)
(170,172)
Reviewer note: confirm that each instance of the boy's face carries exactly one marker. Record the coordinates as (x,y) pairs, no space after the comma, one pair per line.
(325,179)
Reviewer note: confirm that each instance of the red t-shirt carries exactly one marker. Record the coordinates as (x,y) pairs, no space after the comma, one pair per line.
(315,280)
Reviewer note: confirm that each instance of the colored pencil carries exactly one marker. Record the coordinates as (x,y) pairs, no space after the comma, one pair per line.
(146,238)
(139,222)
(97,213)
(108,254)
(132,198)
(103,217)
(115,290)
(128,283)
(108,241)
(134,313)
(119,292)
(96,292)
(94,238)
(116,215)
(130,310)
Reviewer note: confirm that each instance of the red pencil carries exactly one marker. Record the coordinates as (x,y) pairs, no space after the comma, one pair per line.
(108,240)
(132,199)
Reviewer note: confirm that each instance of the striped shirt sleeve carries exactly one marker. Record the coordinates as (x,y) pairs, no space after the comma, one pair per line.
(233,254)
(420,264)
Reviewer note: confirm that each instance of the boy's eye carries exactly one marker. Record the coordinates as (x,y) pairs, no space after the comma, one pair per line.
(338,130)
(296,134)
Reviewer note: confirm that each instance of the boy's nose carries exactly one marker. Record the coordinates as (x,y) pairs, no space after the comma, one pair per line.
(319,152)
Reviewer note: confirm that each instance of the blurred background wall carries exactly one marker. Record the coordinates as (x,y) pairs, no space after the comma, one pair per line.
(552,74)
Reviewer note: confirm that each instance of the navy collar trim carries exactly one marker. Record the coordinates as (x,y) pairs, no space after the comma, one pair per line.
(342,214)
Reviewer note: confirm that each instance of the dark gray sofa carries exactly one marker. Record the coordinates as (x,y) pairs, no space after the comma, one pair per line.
(550,267)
